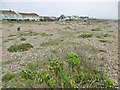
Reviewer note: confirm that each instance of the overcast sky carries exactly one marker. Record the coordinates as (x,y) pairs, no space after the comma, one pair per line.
(106,9)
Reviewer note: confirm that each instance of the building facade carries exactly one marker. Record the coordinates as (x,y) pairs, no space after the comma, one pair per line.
(29,16)
(8,14)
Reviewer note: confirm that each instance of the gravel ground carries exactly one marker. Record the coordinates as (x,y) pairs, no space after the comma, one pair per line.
(103,55)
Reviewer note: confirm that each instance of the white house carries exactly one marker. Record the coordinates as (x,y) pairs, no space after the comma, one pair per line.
(8,14)
(29,16)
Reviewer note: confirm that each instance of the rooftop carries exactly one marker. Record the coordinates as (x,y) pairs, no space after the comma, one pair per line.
(7,12)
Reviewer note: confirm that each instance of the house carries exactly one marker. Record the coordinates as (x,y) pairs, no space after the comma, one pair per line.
(29,16)
(63,18)
(74,17)
(84,17)
(53,18)
(68,18)
(8,15)
(46,18)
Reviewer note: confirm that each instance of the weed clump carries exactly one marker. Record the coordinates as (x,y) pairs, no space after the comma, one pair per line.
(7,77)
(73,60)
(56,75)
(85,35)
(96,29)
(23,39)
(103,41)
(20,48)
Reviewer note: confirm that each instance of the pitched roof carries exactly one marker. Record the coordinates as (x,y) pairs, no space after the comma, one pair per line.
(29,14)
(7,12)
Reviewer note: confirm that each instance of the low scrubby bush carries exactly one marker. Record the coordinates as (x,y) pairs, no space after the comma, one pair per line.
(56,75)
(85,35)
(20,47)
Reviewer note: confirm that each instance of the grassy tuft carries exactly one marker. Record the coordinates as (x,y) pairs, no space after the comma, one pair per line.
(23,39)
(103,41)
(96,29)
(20,48)
(85,35)
(7,77)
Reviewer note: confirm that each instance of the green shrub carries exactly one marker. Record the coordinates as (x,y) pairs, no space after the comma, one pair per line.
(51,82)
(72,59)
(29,72)
(7,77)
(67,80)
(42,76)
(103,41)
(20,48)
(100,79)
(56,66)
(85,35)
(45,34)
(97,29)
(106,35)
(23,39)
(58,76)
(81,75)
(102,35)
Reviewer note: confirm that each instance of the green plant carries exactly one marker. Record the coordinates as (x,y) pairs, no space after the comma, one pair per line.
(7,77)
(72,59)
(56,66)
(44,34)
(108,83)
(106,35)
(103,51)
(100,79)
(20,48)
(102,35)
(29,72)
(81,75)
(67,80)
(42,76)
(51,82)
(23,39)
(58,75)
(103,41)
(85,35)
(97,29)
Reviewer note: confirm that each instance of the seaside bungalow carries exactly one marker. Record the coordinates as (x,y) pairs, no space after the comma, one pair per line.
(8,15)
(53,18)
(84,18)
(68,18)
(29,16)
(74,17)
(47,18)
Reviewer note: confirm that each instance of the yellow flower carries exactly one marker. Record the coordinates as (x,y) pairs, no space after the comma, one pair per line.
(70,82)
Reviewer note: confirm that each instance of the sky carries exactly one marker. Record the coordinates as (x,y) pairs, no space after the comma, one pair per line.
(103,9)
